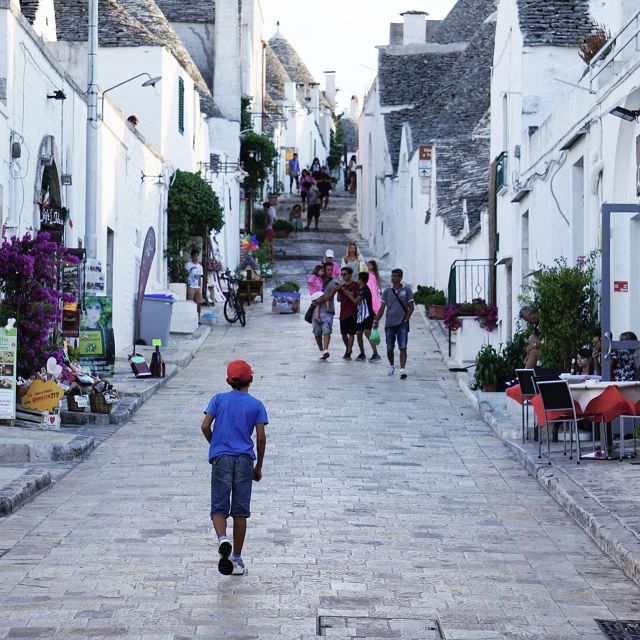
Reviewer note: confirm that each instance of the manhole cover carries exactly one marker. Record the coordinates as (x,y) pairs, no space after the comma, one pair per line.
(365,627)
(620,629)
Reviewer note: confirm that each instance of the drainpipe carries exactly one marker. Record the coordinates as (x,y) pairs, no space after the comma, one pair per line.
(91,195)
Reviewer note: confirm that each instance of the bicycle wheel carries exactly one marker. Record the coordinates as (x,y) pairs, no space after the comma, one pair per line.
(242,316)
(230,311)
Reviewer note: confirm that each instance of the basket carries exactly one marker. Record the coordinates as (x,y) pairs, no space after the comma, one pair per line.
(99,404)
(72,405)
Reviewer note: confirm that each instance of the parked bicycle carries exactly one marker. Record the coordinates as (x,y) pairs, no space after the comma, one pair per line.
(233,306)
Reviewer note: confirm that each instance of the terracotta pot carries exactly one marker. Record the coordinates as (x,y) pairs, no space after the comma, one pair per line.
(489,388)
(436,311)
(281,233)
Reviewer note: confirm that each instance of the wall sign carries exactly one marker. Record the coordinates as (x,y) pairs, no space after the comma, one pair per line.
(42,396)
(8,348)
(52,221)
(621,286)
(94,278)
(96,345)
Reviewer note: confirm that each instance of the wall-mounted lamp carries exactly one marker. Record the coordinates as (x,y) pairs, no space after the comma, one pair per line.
(626,114)
(66,179)
(150,82)
(144,176)
(58,94)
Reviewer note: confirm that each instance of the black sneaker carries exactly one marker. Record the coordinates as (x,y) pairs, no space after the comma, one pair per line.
(361,357)
(374,358)
(346,356)
(225,566)
(403,375)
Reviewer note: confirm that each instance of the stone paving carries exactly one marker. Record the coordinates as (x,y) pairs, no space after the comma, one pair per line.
(388,509)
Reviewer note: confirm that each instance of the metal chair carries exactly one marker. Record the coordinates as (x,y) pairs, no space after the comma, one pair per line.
(528,392)
(559,407)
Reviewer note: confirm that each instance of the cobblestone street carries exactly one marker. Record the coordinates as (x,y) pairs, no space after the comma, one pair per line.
(382,499)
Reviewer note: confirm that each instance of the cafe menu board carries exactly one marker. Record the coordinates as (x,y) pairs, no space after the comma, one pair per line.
(8,348)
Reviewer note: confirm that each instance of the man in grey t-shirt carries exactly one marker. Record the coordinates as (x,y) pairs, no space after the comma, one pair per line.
(397,300)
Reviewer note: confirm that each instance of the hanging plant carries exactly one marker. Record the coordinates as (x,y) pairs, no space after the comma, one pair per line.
(29,282)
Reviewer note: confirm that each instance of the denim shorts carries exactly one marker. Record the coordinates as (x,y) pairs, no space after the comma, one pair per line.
(231,482)
(401,332)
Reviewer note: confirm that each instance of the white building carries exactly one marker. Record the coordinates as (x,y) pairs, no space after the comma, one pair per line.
(559,153)
(301,115)
(424,150)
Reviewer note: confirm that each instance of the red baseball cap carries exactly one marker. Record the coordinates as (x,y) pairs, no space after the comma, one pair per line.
(239,371)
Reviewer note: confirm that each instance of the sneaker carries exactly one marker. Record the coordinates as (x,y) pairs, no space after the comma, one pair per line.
(346,356)
(375,357)
(361,357)
(391,371)
(225,566)
(403,375)
(325,355)
(238,567)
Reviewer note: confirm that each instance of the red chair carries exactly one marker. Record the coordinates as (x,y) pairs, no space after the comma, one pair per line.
(632,415)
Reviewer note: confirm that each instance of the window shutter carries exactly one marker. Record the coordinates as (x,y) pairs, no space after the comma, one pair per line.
(180,105)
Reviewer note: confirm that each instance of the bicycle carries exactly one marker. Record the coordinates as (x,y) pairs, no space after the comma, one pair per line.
(233,306)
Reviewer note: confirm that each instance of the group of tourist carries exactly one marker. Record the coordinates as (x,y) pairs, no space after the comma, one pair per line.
(357,287)
(314,186)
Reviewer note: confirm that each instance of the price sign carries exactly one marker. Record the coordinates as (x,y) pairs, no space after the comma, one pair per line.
(8,349)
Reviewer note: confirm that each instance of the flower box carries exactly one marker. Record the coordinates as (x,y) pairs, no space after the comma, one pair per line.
(436,311)
(281,233)
(285,302)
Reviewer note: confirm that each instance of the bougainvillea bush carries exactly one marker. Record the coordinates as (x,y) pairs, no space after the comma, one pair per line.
(29,286)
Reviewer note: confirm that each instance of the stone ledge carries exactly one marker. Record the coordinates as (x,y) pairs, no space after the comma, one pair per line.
(22,489)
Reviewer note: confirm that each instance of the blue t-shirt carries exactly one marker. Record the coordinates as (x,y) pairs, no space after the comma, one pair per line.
(236,414)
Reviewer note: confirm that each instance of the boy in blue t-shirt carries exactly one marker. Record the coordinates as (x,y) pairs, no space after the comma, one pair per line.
(231,456)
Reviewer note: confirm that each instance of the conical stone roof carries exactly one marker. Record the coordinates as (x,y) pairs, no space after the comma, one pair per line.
(276,75)
(188,10)
(290,60)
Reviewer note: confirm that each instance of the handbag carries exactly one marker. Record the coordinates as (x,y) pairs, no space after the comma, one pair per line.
(309,315)
(374,338)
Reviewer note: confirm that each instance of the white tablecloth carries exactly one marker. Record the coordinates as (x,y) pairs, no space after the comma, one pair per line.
(585,392)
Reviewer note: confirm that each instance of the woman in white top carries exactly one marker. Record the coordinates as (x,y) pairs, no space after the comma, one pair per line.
(353,260)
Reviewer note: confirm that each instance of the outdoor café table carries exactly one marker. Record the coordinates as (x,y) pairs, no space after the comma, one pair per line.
(609,400)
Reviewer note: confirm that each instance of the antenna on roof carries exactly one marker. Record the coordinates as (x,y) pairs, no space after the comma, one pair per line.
(278,26)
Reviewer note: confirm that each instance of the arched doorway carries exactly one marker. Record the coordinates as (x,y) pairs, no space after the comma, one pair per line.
(49,214)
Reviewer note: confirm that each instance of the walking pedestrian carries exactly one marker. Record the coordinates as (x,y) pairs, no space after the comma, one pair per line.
(324,184)
(234,416)
(397,300)
(294,172)
(194,282)
(322,322)
(269,233)
(374,284)
(353,176)
(329,256)
(315,167)
(305,183)
(313,206)
(365,317)
(347,293)
(352,259)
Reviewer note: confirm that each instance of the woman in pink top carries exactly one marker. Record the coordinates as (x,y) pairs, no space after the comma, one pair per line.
(374,284)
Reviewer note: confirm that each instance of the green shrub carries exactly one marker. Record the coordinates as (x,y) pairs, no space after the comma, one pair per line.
(489,367)
(259,219)
(282,225)
(429,295)
(515,352)
(288,286)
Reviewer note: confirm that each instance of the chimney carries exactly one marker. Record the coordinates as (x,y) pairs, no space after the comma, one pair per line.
(330,87)
(414,30)
(354,110)
(227,79)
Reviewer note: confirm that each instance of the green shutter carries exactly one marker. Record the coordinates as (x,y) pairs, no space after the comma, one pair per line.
(180,105)
(501,171)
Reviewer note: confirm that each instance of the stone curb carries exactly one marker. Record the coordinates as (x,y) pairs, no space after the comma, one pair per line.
(22,489)
(615,539)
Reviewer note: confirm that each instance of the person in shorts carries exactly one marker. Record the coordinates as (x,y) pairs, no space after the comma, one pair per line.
(322,322)
(364,320)
(194,281)
(313,206)
(324,184)
(269,219)
(347,292)
(397,301)
(234,416)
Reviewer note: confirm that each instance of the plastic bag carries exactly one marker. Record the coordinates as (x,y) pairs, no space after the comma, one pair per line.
(374,338)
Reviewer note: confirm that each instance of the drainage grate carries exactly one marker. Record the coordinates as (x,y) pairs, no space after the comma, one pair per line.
(620,629)
(366,627)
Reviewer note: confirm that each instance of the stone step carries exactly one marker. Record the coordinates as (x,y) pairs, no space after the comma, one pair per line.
(20,484)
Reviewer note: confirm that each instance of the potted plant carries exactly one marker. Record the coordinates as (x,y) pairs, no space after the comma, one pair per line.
(485,314)
(282,228)
(433,299)
(489,368)
(286,298)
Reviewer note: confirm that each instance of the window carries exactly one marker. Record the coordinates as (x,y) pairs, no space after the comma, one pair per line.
(180,105)
(501,172)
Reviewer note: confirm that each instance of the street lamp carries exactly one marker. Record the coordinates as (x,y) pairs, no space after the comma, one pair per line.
(626,114)
(150,82)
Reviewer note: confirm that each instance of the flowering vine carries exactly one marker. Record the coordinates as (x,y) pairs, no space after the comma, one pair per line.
(485,314)
(29,279)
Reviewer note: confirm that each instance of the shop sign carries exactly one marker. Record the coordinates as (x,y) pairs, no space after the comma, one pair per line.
(96,345)
(425,154)
(621,286)
(42,396)
(94,277)
(8,349)
(52,221)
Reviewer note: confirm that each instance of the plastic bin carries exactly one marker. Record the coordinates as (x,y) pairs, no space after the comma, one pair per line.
(155,318)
